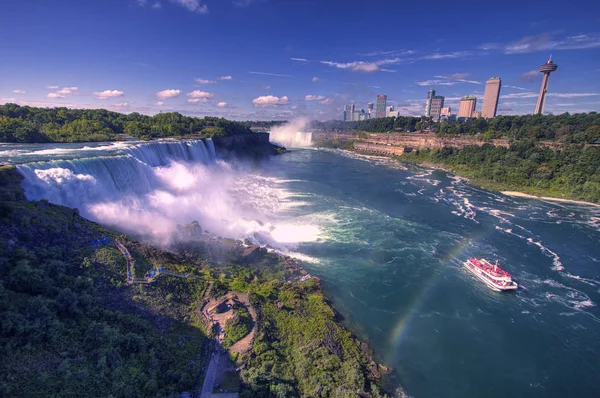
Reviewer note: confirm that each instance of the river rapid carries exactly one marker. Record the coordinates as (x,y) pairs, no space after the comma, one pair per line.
(387,240)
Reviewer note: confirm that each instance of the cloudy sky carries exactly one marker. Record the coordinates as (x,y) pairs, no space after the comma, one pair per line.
(274,59)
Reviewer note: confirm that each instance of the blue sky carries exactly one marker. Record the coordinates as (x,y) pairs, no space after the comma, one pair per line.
(265,59)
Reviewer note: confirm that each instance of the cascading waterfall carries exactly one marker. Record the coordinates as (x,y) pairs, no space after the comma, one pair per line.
(147,189)
(148,181)
(291,139)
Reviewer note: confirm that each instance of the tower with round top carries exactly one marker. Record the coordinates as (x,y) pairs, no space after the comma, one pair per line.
(546,69)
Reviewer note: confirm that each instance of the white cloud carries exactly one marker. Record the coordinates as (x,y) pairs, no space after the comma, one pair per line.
(106,94)
(55,95)
(222,104)
(388,70)
(436,82)
(392,53)
(300,59)
(197,100)
(572,95)
(171,93)
(192,5)
(314,97)
(52,87)
(357,66)
(270,74)
(530,76)
(532,94)
(545,42)
(327,101)
(458,77)
(200,94)
(156,5)
(159,103)
(67,90)
(516,87)
(203,81)
(225,78)
(456,54)
(121,104)
(315,79)
(269,100)
(19,91)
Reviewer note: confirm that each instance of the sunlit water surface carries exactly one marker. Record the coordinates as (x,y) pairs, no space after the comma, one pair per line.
(388,243)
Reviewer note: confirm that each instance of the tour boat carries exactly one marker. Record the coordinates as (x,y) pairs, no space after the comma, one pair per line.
(495,277)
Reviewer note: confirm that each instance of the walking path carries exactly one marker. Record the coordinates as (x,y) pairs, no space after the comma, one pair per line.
(211,373)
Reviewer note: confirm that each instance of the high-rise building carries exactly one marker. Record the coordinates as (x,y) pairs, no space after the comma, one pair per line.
(467,106)
(434,105)
(347,113)
(430,95)
(446,111)
(381,104)
(546,69)
(437,103)
(370,112)
(490,97)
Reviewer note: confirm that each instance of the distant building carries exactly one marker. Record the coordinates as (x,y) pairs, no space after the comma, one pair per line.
(446,111)
(490,97)
(476,114)
(437,103)
(351,114)
(371,113)
(381,104)
(467,106)
(430,95)
(347,116)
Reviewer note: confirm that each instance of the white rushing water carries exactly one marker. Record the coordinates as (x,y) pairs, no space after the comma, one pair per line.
(148,188)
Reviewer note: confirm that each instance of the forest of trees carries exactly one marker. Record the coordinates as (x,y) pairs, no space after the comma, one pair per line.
(24,124)
(573,172)
(565,128)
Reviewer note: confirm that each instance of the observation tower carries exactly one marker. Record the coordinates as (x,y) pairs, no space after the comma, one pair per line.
(546,69)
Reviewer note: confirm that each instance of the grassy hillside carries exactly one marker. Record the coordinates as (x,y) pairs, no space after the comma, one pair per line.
(71,325)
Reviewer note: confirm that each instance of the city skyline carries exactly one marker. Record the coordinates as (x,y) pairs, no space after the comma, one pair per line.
(149,56)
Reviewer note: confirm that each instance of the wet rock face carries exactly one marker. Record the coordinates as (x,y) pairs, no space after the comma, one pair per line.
(191,231)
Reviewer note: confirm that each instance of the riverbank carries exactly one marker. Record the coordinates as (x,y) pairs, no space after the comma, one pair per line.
(526,195)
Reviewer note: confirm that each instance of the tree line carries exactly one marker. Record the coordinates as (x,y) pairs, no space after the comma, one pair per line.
(573,172)
(24,124)
(565,128)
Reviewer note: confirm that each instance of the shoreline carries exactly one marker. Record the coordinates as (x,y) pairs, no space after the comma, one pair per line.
(507,192)
(518,194)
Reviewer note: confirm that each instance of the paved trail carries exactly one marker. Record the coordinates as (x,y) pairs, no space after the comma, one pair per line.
(211,375)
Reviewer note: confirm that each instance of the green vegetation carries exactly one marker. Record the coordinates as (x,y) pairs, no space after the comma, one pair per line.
(565,128)
(301,350)
(26,124)
(572,173)
(71,325)
(238,326)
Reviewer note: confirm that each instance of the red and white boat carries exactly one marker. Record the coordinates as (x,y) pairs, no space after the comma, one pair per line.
(495,277)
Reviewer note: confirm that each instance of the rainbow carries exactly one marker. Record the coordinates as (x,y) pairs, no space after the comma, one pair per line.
(403,324)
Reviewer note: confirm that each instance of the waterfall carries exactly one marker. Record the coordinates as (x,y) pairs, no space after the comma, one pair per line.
(291,139)
(137,171)
(162,153)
